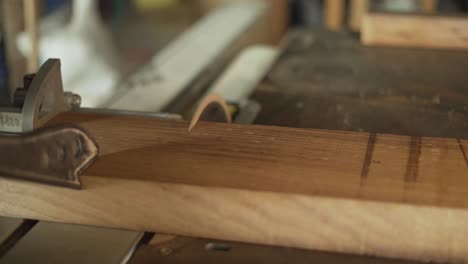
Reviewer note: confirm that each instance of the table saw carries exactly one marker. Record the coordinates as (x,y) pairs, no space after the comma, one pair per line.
(356,151)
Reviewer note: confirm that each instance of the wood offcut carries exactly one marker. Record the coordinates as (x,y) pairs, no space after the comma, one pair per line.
(211,102)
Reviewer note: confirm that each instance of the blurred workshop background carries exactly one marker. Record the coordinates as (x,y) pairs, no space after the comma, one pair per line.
(101,43)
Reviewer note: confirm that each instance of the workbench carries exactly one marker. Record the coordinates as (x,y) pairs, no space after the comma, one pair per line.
(322,80)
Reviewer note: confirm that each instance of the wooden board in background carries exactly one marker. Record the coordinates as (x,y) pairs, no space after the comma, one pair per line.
(334,11)
(273,24)
(393,196)
(358,8)
(415,31)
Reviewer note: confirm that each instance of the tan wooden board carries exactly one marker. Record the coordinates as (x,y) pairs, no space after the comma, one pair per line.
(273,24)
(334,11)
(372,194)
(358,8)
(441,32)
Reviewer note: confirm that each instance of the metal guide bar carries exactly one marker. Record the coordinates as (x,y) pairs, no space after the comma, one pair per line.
(11,231)
(188,250)
(187,58)
(65,243)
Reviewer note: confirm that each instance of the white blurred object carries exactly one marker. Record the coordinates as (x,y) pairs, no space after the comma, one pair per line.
(190,60)
(243,76)
(90,66)
(401,5)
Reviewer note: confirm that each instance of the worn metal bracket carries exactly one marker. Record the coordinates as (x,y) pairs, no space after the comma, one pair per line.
(52,155)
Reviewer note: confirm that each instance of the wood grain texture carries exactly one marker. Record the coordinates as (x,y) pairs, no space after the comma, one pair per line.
(415,31)
(334,14)
(278,186)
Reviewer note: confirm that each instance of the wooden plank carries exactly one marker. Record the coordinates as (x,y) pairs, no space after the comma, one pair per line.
(415,31)
(386,195)
(274,22)
(334,14)
(357,11)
